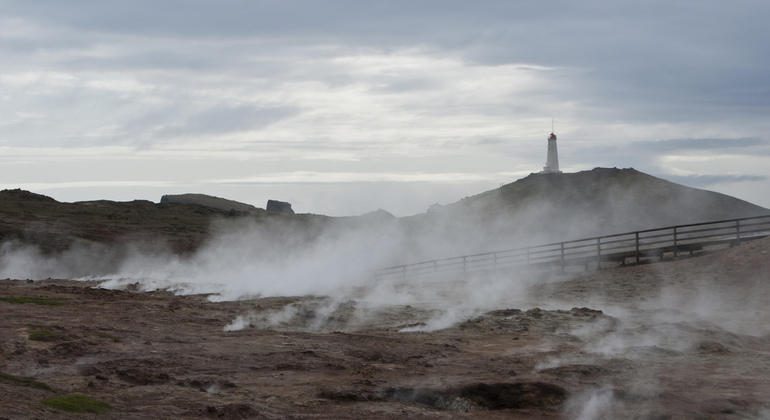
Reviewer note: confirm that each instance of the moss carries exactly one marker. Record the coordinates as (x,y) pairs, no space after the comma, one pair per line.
(77,403)
(4,377)
(43,335)
(36,301)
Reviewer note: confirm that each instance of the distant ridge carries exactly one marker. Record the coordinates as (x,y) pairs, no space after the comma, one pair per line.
(535,210)
(543,208)
(209,201)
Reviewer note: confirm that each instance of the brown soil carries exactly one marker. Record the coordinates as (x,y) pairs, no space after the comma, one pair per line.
(686,339)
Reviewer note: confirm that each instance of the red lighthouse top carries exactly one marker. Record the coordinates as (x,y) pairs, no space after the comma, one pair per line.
(552,137)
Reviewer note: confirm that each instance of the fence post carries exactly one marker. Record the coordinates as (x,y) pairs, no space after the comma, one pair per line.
(598,253)
(562,257)
(676,245)
(738,232)
(637,248)
(403,273)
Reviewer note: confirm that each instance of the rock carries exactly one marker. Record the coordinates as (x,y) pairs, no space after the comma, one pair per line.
(517,395)
(279,206)
(209,201)
(232,411)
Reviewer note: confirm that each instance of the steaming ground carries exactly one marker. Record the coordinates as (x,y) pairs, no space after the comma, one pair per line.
(276,331)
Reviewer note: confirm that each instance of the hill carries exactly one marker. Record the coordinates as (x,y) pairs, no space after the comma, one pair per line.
(27,218)
(543,208)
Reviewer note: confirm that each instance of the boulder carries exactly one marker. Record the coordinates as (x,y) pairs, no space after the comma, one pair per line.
(279,206)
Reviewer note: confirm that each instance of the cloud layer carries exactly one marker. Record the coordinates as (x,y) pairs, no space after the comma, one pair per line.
(182,95)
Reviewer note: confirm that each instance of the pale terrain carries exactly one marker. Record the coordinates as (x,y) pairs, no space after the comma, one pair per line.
(678,339)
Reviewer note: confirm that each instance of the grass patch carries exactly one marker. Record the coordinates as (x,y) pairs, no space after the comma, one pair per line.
(109,337)
(43,335)
(77,403)
(36,301)
(4,377)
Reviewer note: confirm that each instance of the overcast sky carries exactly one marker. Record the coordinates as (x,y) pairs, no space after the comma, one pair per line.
(344,107)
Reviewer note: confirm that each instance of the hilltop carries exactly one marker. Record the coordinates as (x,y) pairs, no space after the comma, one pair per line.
(543,208)
(611,199)
(53,227)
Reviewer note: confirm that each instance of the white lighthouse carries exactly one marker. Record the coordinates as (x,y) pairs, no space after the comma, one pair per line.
(552,163)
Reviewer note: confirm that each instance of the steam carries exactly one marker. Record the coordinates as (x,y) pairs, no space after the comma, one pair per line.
(240,322)
(594,404)
(20,261)
(253,258)
(447,318)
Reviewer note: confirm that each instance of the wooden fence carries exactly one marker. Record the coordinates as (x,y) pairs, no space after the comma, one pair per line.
(619,249)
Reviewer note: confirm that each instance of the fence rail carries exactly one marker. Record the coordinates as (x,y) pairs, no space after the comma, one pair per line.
(618,248)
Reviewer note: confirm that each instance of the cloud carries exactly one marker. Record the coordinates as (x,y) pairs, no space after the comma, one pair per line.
(227,119)
(339,81)
(701,144)
(706,180)
(364,177)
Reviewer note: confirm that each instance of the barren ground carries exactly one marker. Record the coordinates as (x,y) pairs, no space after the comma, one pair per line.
(686,339)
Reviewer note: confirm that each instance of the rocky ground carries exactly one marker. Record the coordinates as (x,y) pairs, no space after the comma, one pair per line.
(684,339)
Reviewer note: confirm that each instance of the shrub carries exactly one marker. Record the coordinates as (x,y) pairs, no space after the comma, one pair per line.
(25,381)
(42,335)
(77,403)
(36,301)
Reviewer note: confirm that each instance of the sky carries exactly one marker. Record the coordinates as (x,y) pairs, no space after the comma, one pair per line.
(346,107)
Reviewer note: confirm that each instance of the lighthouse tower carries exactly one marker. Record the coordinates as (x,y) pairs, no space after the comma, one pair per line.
(552,164)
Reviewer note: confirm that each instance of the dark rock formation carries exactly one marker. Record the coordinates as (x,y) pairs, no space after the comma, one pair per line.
(209,201)
(279,206)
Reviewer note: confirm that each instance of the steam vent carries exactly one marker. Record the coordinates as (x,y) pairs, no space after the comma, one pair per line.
(552,164)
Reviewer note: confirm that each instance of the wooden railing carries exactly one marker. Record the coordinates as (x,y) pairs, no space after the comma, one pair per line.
(619,249)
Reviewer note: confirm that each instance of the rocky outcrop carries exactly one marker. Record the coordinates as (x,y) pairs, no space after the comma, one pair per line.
(209,201)
(279,206)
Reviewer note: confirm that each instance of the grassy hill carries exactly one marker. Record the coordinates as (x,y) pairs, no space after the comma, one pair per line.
(52,226)
(543,208)
(613,199)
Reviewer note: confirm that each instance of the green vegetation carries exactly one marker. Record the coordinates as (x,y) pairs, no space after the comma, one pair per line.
(4,377)
(43,335)
(77,403)
(36,301)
